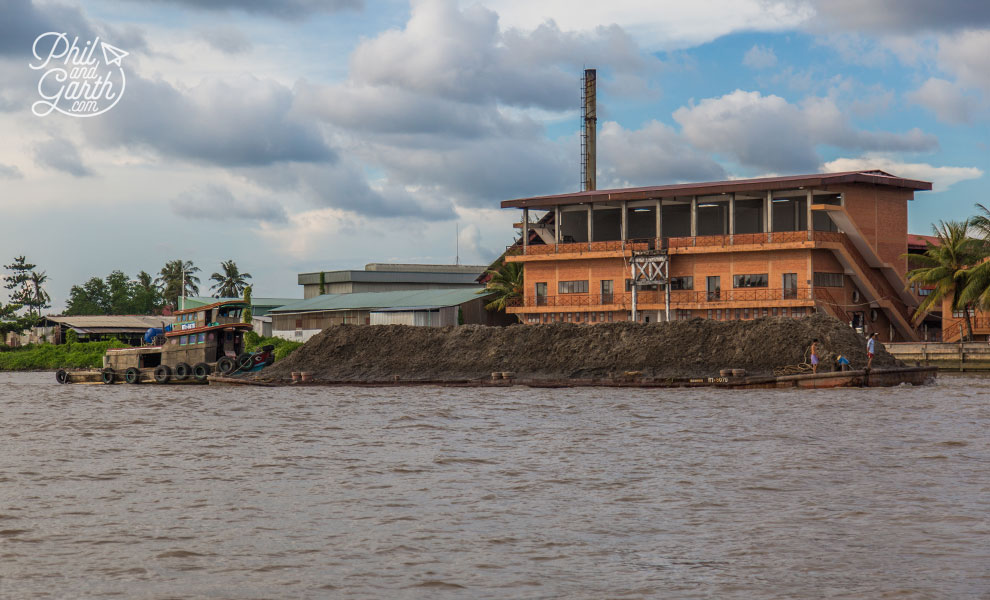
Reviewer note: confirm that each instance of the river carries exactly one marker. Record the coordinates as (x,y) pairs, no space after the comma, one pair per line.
(205,492)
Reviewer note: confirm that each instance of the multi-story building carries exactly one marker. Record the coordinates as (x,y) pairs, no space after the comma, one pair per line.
(778,246)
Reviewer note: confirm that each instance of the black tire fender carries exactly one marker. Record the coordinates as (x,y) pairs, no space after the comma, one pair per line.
(226,365)
(132,375)
(182,371)
(244,360)
(61,376)
(201,371)
(108,375)
(163,374)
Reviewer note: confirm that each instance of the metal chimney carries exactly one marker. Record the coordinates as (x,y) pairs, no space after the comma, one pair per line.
(589,125)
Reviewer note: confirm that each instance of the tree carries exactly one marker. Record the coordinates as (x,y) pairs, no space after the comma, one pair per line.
(977,290)
(946,266)
(38,297)
(115,295)
(18,281)
(27,288)
(231,283)
(10,322)
(506,283)
(247,310)
(170,280)
(90,298)
(146,297)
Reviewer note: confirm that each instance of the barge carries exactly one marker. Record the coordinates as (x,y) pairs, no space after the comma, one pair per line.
(886,377)
(202,341)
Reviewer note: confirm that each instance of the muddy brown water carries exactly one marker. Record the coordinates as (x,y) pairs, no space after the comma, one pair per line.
(179,492)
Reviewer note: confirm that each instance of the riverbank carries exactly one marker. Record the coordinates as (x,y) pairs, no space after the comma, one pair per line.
(695,348)
(47,357)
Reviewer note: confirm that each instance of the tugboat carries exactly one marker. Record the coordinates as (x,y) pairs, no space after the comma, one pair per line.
(204,340)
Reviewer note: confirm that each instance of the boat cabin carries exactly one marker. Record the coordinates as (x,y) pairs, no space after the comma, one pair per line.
(199,335)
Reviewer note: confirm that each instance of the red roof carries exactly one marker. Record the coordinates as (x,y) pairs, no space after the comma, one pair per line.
(717,187)
(920,241)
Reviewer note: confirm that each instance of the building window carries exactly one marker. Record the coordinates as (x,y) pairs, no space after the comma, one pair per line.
(682,283)
(958,314)
(541,293)
(828,279)
(183,340)
(924,291)
(201,338)
(746,313)
(607,288)
(750,281)
(764,312)
(610,317)
(651,287)
(572,287)
(718,314)
(738,314)
(709,313)
(713,286)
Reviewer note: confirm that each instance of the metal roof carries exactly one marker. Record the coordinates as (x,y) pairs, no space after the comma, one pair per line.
(407,299)
(198,301)
(452,278)
(105,323)
(719,187)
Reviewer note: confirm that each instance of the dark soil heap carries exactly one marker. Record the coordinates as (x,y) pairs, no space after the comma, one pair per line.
(692,348)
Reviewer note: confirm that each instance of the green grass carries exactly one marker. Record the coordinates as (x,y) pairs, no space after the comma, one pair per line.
(79,355)
(283,348)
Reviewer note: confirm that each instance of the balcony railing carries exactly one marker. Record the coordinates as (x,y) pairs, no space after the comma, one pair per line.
(678,298)
(701,241)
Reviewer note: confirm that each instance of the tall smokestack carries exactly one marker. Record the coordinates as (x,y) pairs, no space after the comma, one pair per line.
(589,125)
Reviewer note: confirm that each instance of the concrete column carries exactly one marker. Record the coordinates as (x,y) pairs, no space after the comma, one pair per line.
(591,222)
(768,216)
(525,229)
(694,216)
(625,221)
(811,223)
(732,213)
(556,224)
(659,232)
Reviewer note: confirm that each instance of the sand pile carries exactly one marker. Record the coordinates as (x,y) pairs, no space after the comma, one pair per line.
(677,349)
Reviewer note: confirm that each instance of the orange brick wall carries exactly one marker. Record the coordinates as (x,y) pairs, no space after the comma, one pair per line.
(699,266)
(881,215)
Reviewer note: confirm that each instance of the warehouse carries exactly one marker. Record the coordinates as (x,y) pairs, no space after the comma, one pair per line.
(428,308)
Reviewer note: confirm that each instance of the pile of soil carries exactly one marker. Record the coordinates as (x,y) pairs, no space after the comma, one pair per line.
(694,348)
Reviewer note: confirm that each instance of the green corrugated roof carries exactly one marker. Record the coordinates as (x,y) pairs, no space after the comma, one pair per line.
(370,300)
(194,301)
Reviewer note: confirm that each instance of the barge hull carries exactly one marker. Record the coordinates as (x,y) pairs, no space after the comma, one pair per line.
(858,378)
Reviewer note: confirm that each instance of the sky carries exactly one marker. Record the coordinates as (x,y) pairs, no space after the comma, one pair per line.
(299,135)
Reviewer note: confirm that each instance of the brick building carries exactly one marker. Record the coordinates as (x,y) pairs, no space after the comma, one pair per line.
(780,246)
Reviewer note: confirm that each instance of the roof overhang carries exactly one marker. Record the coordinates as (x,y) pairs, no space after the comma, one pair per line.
(818,181)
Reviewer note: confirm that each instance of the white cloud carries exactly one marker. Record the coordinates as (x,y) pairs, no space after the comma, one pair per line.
(760,57)
(942,178)
(949,103)
(771,134)
(655,24)
(967,56)
(216,203)
(463,55)
(652,155)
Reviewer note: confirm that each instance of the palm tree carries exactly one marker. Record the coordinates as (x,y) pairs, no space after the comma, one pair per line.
(506,283)
(176,277)
(977,290)
(39,298)
(946,266)
(232,283)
